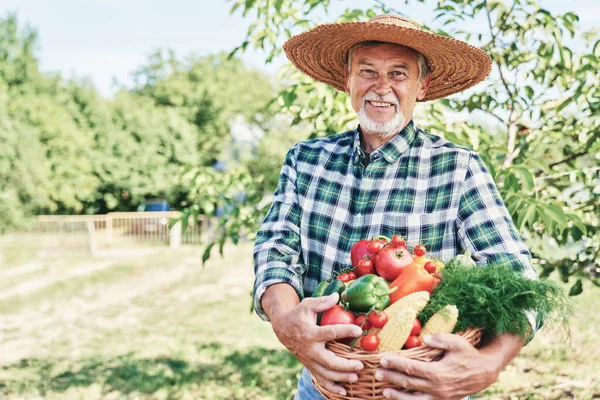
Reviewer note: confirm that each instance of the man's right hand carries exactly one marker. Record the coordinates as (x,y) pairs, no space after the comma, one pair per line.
(297,330)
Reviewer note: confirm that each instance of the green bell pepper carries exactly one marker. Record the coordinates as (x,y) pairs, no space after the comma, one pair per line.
(367,292)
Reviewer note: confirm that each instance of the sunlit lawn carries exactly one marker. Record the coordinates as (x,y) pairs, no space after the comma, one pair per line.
(161,326)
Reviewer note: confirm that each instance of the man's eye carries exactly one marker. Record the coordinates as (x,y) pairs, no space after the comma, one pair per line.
(398,76)
(368,73)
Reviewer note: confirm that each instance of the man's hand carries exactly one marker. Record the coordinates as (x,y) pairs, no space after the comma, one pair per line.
(297,330)
(462,371)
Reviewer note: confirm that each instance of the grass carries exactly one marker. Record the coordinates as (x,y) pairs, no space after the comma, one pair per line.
(161,326)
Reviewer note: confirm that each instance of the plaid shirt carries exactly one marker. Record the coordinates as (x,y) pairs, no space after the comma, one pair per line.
(417,185)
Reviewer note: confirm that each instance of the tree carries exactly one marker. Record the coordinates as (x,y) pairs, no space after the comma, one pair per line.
(535,120)
(44,161)
(64,149)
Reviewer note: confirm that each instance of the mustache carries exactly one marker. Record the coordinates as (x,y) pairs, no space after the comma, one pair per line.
(388,98)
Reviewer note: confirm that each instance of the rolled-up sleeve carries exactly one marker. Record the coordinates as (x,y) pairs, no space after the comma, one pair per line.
(484,224)
(277,248)
(486,228)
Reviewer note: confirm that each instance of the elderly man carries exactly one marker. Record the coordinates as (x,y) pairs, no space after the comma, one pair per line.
(386,177)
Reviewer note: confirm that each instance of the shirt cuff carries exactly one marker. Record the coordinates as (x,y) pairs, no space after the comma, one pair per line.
(284,276)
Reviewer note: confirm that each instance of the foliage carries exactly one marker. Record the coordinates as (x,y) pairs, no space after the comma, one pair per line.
(504,294)
(535,120)
(64,149)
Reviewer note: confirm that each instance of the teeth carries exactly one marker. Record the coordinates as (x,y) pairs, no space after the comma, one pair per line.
(378,104)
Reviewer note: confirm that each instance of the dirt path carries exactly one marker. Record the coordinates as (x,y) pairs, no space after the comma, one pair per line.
(33,285)
(30,332)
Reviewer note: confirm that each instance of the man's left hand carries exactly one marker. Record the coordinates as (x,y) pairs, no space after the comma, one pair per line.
(462,371)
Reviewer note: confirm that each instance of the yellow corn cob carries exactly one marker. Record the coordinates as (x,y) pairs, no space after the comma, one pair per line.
(438,266)
(416,301)
(442,321)
(394,334)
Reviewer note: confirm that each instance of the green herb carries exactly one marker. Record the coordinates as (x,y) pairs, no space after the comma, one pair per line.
(496,298)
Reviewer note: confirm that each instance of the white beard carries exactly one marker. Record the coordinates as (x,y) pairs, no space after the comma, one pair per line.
(382,130)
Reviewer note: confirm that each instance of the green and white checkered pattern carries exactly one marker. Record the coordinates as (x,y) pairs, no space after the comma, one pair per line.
(418,185)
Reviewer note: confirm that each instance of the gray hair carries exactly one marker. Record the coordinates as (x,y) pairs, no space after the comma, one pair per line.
(424,68)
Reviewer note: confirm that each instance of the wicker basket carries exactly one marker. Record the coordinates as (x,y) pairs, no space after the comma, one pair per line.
(367,387)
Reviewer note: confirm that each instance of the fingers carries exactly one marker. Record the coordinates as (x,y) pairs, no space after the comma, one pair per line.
(330,385)
(335,375)
(330,361)
(403,380)
(402,395)
(340,331)
(446,341)
(406,366)
(321,303)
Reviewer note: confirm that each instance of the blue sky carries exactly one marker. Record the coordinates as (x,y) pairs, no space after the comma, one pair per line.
(106,39)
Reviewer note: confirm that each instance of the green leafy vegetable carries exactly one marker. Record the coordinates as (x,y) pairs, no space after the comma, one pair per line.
(496,298)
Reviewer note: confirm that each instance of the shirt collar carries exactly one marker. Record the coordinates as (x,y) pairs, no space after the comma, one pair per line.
(393,149)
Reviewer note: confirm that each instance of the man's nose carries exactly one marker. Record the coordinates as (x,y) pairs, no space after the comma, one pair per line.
(383,84)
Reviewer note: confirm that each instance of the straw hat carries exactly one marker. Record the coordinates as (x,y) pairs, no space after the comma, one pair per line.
(321,53)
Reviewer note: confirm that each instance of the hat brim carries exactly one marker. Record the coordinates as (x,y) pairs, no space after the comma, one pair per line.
(321,53)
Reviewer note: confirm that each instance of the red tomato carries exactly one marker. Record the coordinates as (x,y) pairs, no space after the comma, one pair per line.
(420,250)
(398,240)
(359,252)
(369,342)
(412,342)
(365,267)
(374,246)
(391,260)
(351,275)
(416,329)
(378,319)
(430,267)
(359,321)
(345,277)
(337,315)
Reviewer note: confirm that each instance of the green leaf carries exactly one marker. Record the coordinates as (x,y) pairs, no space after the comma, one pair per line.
(576,289)
(222,244)
(549,224)
(527,216)
(557,214)
(529,91)
(577,223)
(278,4)
(527,179)
(184,219)
(206,253)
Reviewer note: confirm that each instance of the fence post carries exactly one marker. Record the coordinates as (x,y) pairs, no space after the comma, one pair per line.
(175,236)
(91,237)
(109,230)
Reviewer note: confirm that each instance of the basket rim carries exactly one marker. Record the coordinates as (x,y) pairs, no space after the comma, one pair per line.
(367,385)
(473,335)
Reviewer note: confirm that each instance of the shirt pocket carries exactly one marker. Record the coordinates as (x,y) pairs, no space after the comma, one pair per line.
(434,230)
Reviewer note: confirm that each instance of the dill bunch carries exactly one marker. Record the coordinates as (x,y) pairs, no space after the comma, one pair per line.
(496,298)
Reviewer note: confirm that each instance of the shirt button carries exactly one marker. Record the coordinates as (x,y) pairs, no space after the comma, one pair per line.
(358,217)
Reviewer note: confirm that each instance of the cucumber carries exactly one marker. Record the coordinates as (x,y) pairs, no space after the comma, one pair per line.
(320,289)
(335,286)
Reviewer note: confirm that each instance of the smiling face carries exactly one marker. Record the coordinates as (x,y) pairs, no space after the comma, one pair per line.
(383,84)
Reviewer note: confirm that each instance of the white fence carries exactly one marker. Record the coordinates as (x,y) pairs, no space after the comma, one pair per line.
(118,229)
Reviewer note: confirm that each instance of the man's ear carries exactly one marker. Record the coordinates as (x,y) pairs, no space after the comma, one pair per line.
(424,87)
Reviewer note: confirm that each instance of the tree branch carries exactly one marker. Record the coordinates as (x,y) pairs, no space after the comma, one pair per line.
(510,124)
(571,157)
(494,35)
